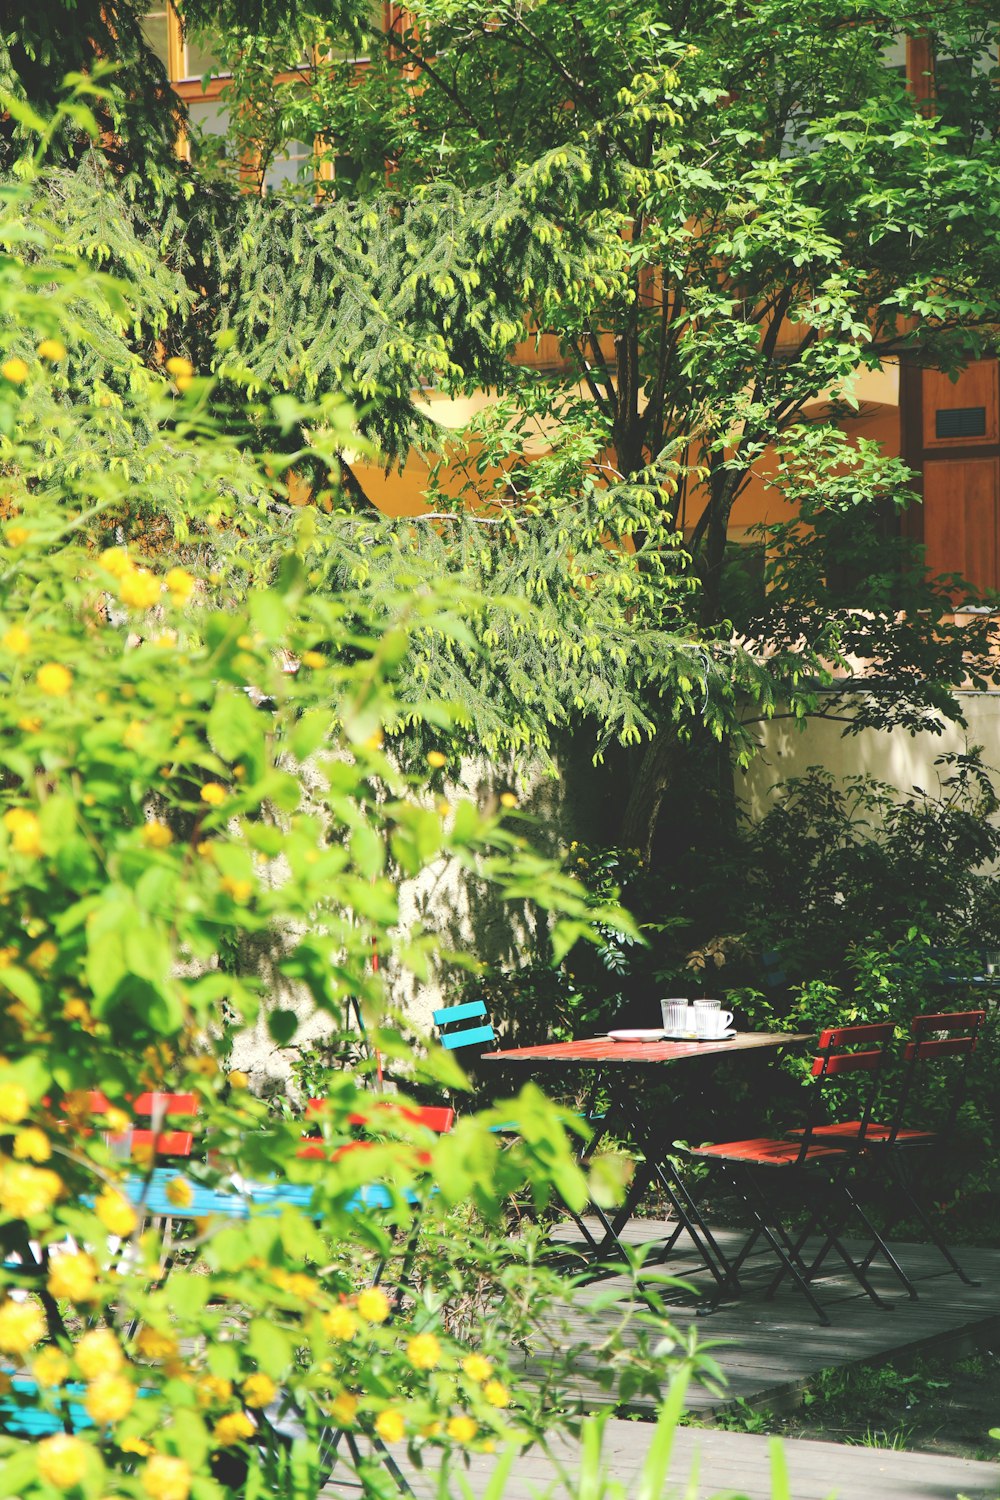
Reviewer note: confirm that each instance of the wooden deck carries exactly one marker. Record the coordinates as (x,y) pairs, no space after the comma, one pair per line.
(769,1352)
(712,1464)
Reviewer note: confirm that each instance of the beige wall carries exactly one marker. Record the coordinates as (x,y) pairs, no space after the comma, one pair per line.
(899,758)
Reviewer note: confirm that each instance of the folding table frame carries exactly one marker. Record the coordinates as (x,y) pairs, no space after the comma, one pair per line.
(623,1066)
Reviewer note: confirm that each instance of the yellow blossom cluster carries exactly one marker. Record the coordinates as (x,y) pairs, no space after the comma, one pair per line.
(73,1277)
(25,831)
(259,1390)
(14,1103)
(32,1144)
(156,835)
(22,1326)
(180,1192)
(62,1460)
(109,1398)
(54,680)
(115,1213)
(27,1191)
(154,1344)
(166,1478)
(99,1353)
(234,1427)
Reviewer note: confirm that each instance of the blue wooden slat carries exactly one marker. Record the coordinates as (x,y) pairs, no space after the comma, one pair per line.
(464,1012)
(470,1037)
(150,1197)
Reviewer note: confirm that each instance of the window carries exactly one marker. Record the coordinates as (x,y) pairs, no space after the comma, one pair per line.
(290,166)
(156,29)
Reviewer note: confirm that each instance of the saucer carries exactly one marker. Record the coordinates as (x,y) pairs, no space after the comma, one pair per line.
(689,1036)
(637,1036)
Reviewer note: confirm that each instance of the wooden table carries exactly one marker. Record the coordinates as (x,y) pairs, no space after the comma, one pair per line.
(623,1065)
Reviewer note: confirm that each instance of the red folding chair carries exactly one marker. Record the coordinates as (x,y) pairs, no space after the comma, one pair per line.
(822,1165)
(155,1138)
(943,1042)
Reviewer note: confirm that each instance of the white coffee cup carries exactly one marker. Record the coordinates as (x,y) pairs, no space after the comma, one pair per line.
(710,1020)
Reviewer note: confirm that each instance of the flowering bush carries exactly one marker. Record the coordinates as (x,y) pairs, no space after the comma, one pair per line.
(187,764)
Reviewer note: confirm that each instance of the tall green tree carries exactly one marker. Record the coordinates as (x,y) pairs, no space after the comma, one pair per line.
(726,212)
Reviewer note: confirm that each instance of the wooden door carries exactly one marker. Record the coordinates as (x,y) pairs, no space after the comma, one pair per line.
(961,511)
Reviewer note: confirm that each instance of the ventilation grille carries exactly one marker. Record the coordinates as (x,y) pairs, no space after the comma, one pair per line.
(960,422)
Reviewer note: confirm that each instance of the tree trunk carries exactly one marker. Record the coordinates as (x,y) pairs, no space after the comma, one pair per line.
(646,793)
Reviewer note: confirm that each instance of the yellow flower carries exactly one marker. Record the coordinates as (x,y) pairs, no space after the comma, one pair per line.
(204,849)
(109,1398)
(53,350)
(462,1429)
(313,659)
(25,831)
(166,1478)
(213,1389)
(29,724)
(213,794)
(390,1426)
(180,583)
(156,835)
(22,1325)
(32,1144)
(507,799)
(116,1120)
(25,1191)
(344,1408)
(14,1103)
(165,640)
(237,1079)
(296,1282)
(116,1213)
(16,640)
(44,956)
(178,365)
(116,561)
(180,1192)
(136,1445)
(424,1351)
(62,1460)
(78,1012)
(15,370)
(436,759)
(233,1428)
(477,1367)
(340,1323)
(259,1390)
(54,679)
(99,1353)
(373,1305)
(50,1367)
(139,588)
(17,536)
(73,1277)
(375,741)
(239,890)
(156,1345)
(496,1393)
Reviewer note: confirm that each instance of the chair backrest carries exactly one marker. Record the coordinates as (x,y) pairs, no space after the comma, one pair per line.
(937,1038)
(157,1108)
(438,1118)
(454,1034)
(859,1050)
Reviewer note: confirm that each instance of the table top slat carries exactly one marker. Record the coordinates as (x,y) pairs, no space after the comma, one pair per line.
(602,1051)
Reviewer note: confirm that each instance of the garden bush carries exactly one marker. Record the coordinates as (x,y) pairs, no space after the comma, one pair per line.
(193,754)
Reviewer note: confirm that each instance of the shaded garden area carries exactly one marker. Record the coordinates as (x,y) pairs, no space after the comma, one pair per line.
(283,772)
